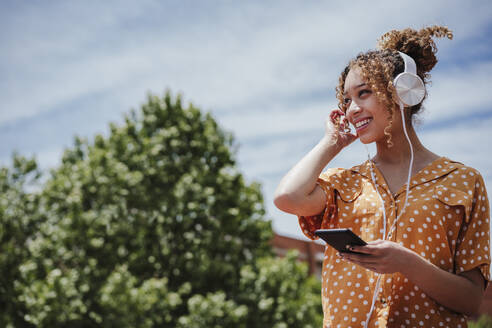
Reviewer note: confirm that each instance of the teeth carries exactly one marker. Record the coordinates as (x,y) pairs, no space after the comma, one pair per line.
(360,123)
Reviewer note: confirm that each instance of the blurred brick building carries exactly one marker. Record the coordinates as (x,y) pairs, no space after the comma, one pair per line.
(313,253)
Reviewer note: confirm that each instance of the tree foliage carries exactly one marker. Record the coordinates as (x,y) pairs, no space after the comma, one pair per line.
(149,226)
(484,321)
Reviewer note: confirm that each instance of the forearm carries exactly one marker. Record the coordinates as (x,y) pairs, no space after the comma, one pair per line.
(300,181)
(450,290)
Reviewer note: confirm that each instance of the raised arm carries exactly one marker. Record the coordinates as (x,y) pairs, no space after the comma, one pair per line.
(297,192)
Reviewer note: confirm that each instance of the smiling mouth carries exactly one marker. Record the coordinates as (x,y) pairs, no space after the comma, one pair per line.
(362,123)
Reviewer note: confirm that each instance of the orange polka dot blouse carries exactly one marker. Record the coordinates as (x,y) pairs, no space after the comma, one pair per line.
(446,221)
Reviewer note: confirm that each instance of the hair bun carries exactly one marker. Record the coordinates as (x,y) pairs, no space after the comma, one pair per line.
(417,44)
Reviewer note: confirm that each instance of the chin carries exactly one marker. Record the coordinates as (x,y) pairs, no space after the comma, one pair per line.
(366,140)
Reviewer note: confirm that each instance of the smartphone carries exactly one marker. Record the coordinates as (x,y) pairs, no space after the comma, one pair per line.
(340,239)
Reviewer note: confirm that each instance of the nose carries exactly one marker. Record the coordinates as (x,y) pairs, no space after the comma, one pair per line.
(353,109)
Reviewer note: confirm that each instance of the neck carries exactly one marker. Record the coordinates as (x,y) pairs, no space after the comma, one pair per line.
(399,153)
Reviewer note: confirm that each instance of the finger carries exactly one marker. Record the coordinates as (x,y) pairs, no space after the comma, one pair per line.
(335,113)
(350,137)
(360,259)
(334,119)
(376,242)
(362,249)
(366,261)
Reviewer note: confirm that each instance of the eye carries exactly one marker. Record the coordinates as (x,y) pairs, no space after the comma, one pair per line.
(346,101)
(364,91)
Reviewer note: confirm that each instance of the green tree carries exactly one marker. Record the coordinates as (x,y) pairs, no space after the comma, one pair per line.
(149,226)
(19,219)
(484,321)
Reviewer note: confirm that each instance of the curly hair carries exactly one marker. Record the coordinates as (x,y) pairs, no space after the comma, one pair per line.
(379,67)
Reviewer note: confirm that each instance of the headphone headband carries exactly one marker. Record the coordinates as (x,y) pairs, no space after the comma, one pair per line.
(409,63)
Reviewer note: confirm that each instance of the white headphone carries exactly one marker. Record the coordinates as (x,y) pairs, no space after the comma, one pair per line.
(409,86)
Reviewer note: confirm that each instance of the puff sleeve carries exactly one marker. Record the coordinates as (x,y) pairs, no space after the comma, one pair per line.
(309,224)
(473,244)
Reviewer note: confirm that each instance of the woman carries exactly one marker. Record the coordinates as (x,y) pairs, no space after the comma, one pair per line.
(425,217)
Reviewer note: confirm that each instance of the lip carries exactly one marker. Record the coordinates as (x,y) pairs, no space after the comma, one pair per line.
(363,127)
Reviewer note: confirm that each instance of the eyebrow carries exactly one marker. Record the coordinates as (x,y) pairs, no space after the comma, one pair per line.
(356,87)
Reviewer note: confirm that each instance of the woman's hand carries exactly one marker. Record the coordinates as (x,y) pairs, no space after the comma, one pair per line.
(381,256)
(384,256)
(298,192)
(337,129)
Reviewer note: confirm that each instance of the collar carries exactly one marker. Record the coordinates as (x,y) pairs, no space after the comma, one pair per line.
(434,170)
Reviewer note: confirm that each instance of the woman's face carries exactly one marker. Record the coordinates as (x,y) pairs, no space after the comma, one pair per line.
(363,109)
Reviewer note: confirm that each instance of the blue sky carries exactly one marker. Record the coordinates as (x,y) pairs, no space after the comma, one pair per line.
(266,70)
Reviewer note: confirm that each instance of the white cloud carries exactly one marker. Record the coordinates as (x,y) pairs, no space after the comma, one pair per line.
(256,65)
(69,51)
(459,91)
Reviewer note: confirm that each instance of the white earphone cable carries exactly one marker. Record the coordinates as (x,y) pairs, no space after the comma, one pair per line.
(376,291)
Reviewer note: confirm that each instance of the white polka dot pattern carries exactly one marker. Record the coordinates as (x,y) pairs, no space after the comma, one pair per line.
(446,222)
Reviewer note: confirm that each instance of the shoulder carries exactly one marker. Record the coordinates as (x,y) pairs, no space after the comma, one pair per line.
(463,185)
(347,182)
(342,176)
(464,177)
(333,173)
(465,170)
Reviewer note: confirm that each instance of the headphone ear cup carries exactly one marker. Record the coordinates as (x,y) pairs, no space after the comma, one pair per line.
(410,88)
